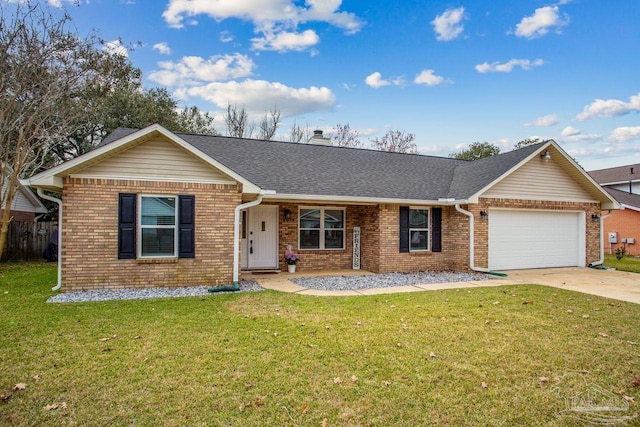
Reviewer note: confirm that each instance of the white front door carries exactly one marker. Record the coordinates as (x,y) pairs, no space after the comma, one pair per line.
(262,237)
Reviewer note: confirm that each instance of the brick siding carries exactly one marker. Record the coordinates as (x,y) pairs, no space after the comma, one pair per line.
(90,237)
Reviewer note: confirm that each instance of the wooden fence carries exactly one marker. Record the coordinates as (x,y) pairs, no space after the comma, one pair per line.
(27,240)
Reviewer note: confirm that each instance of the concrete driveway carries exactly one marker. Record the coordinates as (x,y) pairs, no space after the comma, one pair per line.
(619,285)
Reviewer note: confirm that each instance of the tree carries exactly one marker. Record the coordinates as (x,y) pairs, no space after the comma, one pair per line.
(237,121)
(477,150)
(397,141)
(192,120)
(299,133)
(526,142)
(269,124)
(117,99)
(44,68)
(345,137)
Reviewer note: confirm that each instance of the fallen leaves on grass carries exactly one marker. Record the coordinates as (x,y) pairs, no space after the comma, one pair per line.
(353,379)
(337,380)
(604,335)
(542,381)
(386,383)
(484,385)
(55,405)
(20,386)
(585,316)
(529,301)
(112,337)
(36,378)
(635,381)
(5,397)
(432,355)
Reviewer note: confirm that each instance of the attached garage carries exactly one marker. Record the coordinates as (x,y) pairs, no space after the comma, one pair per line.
(521,238)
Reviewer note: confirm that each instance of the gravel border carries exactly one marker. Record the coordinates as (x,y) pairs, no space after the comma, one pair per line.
(132,294)
(387,280)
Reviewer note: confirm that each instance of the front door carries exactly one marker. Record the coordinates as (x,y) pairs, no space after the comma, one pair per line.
(262,237)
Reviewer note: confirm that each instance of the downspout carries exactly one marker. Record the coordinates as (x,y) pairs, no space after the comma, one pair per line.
(59,203)
(471,244)
(601,260)
(236,247)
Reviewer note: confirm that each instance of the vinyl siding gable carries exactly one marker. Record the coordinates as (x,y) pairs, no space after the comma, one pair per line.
(157,160)
(539,180)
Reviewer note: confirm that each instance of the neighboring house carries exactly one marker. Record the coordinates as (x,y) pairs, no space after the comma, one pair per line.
(151,208)
(25,205)
(623,183)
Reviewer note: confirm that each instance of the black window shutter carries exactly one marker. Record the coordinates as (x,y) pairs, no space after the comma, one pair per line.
(436,229)
(127,226)
(404,228)
(186,231)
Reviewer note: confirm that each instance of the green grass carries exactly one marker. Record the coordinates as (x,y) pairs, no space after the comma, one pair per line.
(270,358)
(627,263)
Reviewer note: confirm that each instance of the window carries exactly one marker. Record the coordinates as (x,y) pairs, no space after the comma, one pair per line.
(321,228)
(156,226)
(418,229)
(158,231)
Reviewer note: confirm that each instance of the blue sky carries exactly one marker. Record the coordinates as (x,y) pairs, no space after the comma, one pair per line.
(450,72)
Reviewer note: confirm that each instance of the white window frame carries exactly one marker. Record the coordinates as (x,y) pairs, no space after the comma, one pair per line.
(140,227)
(428,229)
(322,229)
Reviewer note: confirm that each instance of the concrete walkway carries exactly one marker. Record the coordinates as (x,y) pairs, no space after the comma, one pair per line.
(618,285)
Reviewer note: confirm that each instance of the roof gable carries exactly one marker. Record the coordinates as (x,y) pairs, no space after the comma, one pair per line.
(159,160)
(52,179)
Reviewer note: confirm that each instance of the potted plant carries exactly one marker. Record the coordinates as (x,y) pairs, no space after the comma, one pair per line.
(291,259)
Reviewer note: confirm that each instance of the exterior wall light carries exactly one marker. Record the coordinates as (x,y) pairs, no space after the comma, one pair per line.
(287,215)
(546,156)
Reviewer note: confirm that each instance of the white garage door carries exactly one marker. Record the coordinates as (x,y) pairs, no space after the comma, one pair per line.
(535,239)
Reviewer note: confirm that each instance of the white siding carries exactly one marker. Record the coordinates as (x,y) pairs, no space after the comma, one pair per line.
(158,160)
(539,180)
(21,202)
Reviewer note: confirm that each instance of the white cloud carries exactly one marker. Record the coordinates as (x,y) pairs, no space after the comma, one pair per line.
(258,96)
(226,37)
(275,21)
(448,26)
(163,48)
(545,121)
(426,77)
(539,24)
(570,134)
(570,131)
(115,47)
(507,67)
(625,133)
(285,41)
(609,108)
(58,3)
(192,70)
(376,81)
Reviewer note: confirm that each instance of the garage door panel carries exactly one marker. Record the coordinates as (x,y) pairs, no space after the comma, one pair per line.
(534,239)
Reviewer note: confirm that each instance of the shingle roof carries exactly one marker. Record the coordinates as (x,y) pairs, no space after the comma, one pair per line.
(306,169)
(624,197)
(617,174)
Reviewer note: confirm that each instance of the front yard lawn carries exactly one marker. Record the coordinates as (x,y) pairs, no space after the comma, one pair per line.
(483,356)
(627,263)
